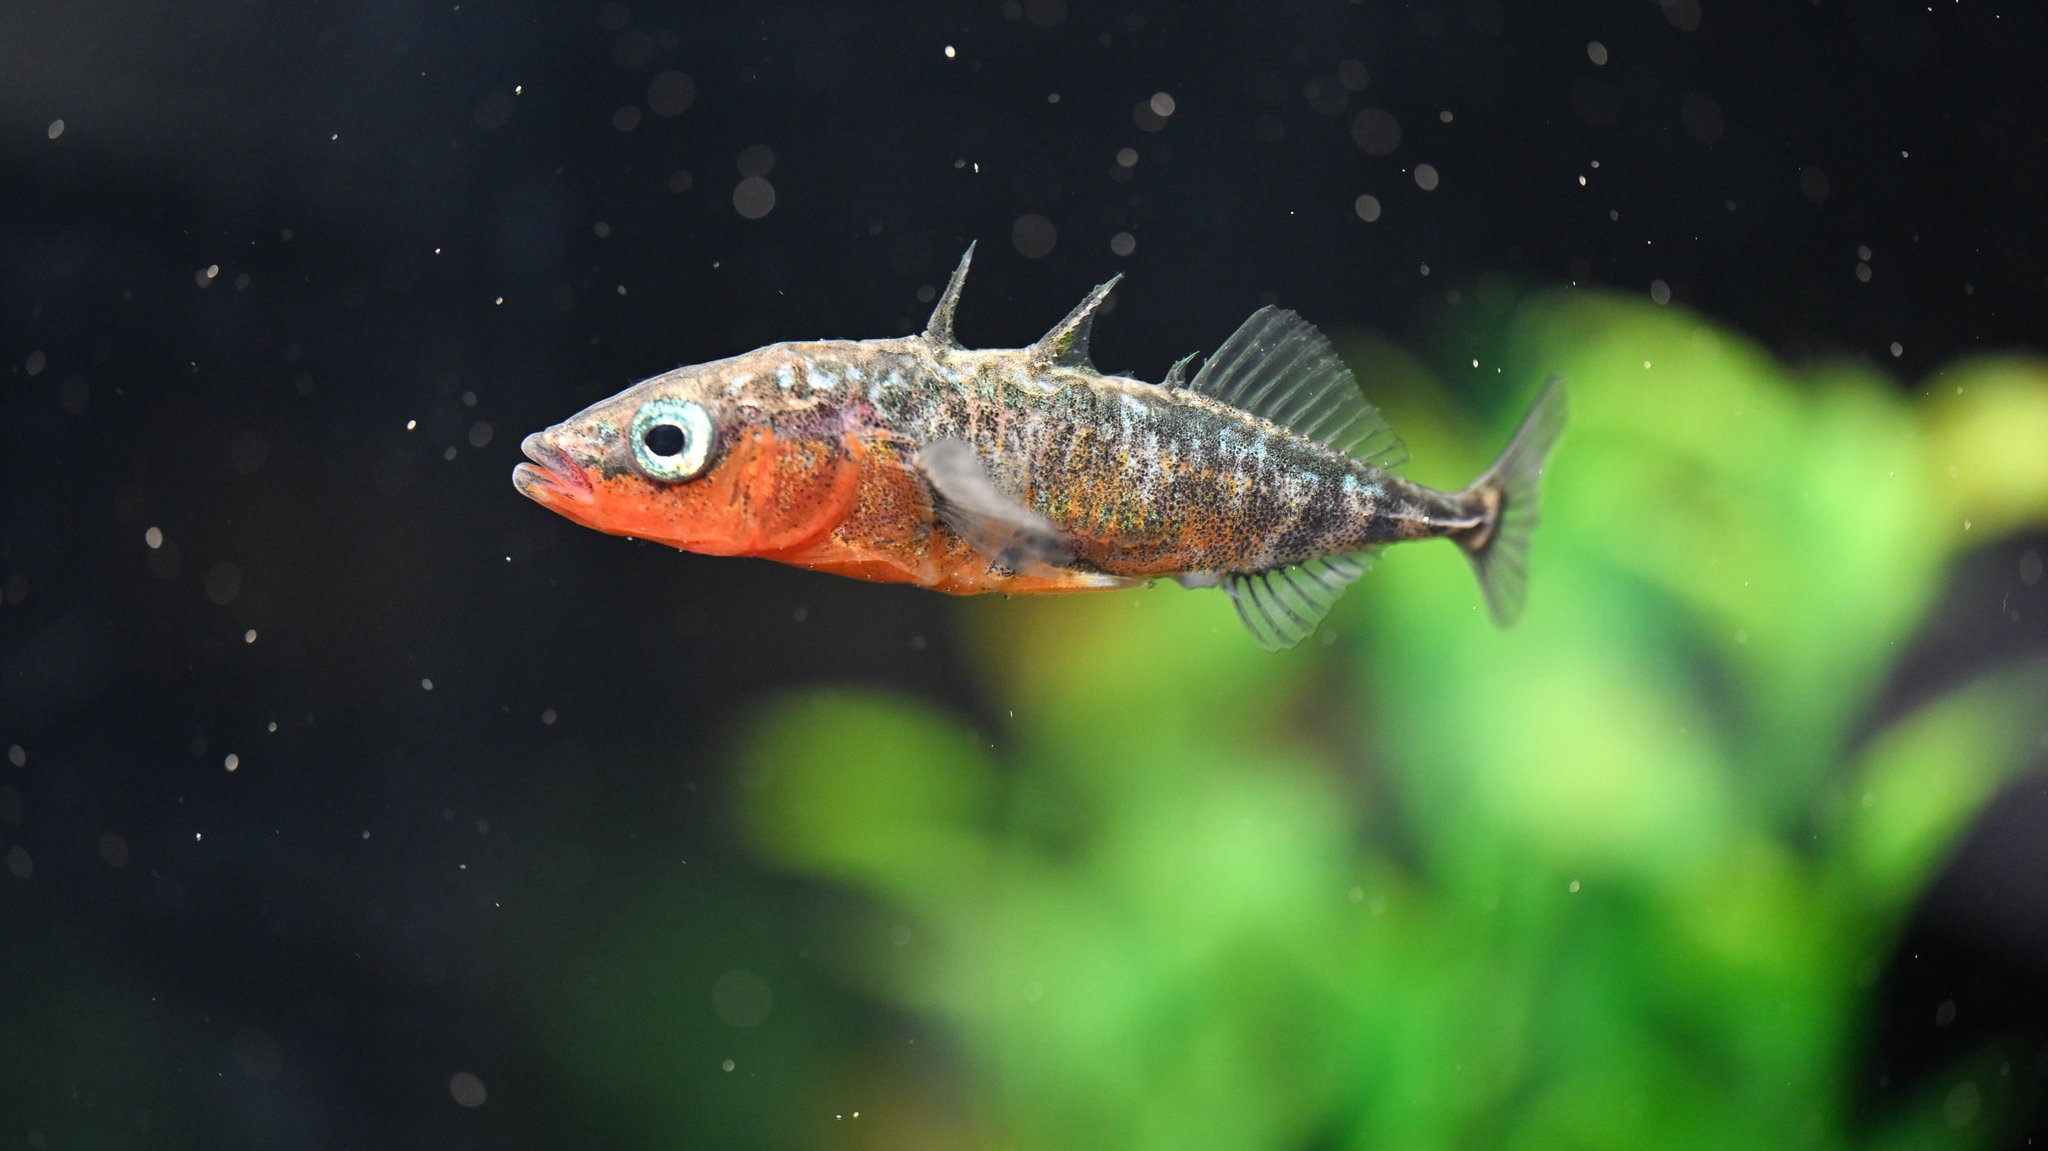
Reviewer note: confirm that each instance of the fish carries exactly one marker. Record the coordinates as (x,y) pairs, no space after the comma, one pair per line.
(1026,471)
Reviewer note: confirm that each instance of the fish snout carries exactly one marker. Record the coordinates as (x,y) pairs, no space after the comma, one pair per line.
(552,478)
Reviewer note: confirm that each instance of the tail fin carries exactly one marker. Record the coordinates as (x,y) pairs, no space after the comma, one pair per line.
(1499,547)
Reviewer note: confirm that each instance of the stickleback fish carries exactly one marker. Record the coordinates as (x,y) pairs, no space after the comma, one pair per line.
(1027,471)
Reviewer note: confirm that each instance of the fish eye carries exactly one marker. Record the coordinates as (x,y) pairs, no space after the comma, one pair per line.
(672,439)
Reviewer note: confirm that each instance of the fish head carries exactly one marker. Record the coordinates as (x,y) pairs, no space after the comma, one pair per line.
(714,458)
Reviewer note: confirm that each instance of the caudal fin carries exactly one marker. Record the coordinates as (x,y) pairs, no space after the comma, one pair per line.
(1499,547)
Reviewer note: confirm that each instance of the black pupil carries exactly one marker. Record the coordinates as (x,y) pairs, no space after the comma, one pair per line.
(664,440)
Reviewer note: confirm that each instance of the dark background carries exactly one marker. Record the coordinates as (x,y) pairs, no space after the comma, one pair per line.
(292,280)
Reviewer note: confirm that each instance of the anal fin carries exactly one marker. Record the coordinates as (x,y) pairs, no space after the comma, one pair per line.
(1283,606)
(994,524)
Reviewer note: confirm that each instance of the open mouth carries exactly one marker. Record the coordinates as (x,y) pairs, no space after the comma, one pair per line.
(551,475)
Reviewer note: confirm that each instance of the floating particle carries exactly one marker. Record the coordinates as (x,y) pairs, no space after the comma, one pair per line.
(753,197)
(755,160)
(626,118)
(1660,292)
(742,998)
(1597,53)
(233,762)
(1367,207)
(1034,235)
(671,94)
(1814,184)
(949,52)
(35,363)
(56,129)
(1162,104)
(467,1089)
(1426,177)
(1123,243)
(154,537)
(1376,131)
(223,583)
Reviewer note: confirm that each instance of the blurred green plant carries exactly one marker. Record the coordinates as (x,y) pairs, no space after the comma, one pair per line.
(1622,877)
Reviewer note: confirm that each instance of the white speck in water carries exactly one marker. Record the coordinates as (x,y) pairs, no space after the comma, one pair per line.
(1127,157)
(1575,886)
(1162,104)
(728,1065)
(949,52)
(1597,53)
(1863,272)
(56,128)
(548,717)
(1426,177)
(154,537)
(17,755)
(1123,243)
(411,424)
(426,685)
(1660,292)
(1367,207)
(249,636)
(233,762)
(1898,349)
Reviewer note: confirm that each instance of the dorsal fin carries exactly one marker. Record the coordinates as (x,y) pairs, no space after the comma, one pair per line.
(1177,375)
(1282,607)
(1277,365)
(1067,344)
(940,330)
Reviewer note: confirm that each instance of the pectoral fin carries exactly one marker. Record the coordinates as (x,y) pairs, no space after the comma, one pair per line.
(994,524)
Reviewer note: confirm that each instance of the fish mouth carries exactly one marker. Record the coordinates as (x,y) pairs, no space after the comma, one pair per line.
(552,478)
